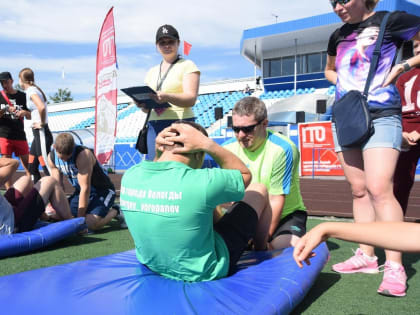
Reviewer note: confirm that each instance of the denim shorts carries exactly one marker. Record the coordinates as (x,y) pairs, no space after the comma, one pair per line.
(100,200)
(387,134)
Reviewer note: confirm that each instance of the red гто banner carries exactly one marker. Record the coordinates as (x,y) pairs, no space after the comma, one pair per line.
(106,91)
(317,150)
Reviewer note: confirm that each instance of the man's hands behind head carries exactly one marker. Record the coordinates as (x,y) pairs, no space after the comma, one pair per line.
(182,138)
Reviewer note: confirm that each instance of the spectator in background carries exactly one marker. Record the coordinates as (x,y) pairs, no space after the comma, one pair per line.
(369,167)
(175,81)
(12,134)
(408,85)
(36,102)
(258,83)
(274,161)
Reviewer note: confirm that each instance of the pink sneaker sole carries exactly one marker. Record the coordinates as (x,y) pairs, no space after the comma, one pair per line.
(388,293)
(359,270)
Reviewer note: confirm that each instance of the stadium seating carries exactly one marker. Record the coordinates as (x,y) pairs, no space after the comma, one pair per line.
(130,119)
(278,94)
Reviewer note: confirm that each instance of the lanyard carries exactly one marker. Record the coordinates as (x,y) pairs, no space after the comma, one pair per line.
(160,80)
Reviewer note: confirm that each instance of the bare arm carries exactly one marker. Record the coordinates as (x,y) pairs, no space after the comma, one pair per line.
(8,167)
(55,172)
(330,70)
(187,98)
(401,236)
(277,203)
(194,141)
(399,68)
(84,163)
(40,105)
(22,113)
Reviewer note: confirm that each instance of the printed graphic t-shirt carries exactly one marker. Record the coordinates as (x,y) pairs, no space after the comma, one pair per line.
(11,127)
(168,208)
(353,46)
(408,84)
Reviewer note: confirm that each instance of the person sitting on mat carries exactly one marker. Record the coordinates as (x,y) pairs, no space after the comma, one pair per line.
(274,161)
(24,203)
(169,212)
(94,192)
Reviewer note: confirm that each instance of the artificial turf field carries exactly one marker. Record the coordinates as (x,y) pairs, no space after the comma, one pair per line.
(332,293)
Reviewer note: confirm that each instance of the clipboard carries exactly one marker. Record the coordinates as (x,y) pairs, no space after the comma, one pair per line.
(141,95)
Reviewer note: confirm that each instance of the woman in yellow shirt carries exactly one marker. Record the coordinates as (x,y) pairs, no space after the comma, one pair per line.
(175,81)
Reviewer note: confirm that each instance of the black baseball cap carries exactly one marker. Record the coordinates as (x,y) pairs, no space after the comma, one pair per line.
(167,31)
(5,76)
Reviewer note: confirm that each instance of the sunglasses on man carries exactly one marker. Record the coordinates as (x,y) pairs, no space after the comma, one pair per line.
(246,129)
(342,2)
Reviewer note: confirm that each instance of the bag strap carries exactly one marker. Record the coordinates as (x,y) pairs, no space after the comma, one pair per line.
(6,98)
(376,54)
(147,118)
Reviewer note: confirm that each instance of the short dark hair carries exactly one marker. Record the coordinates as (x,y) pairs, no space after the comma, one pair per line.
(193,124)
(64,143)
(250,105)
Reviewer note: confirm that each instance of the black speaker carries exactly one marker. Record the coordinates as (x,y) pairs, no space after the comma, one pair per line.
(321,106)
(218,113)
(300,117)
(229,122)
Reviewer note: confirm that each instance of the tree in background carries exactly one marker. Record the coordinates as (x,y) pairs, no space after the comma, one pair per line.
(62,95)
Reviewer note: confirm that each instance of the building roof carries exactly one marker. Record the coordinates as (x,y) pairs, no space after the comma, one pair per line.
(257,41)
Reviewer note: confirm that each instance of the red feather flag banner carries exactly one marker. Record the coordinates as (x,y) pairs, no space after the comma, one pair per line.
(187,48)
(106,91)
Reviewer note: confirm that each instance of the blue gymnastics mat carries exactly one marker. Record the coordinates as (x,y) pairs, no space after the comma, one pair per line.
(265,283)
(40,237)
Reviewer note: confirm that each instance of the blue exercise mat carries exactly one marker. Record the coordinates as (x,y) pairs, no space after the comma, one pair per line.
(40,237)
(266,283)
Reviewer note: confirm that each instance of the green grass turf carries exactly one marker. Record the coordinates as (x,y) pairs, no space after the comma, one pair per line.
(332,293)
(337,294)
(109,240)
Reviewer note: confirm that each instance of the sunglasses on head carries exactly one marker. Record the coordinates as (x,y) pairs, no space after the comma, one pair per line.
(342,2)
(246,129)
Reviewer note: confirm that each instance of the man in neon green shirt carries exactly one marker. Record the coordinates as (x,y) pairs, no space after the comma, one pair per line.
(168,206)
(274,161)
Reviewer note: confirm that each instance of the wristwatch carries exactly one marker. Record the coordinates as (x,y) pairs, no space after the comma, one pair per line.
(406,66)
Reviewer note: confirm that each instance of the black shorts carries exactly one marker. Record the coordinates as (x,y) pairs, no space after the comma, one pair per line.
(294,223)
(237,227)
(27,209)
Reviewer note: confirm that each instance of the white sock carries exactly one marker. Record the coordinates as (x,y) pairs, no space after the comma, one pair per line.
(370,258)
(393,264)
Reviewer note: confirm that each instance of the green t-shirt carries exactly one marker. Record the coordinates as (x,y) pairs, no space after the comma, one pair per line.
(276,165)
(168,207)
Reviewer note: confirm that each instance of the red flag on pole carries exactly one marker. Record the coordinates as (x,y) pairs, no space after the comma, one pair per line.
(187,48)
(106,91)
